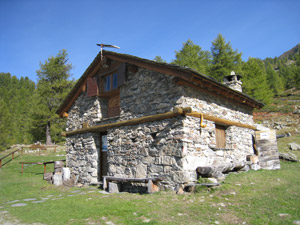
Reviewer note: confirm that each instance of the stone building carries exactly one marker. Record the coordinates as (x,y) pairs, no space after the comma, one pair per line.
(130,117)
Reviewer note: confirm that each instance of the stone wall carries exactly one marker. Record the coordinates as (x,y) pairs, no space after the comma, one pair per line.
(147,92)
(86,109)
(199,147)
(147,150)
(171,149)
(83,156)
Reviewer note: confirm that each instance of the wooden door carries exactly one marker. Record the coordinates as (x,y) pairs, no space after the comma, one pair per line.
(103,156)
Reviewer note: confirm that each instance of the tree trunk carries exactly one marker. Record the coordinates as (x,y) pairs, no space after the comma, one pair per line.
(48,134)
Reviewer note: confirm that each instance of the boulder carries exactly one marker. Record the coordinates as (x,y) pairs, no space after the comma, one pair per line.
(57,179)
(113,187)
(294,146)
(288,156)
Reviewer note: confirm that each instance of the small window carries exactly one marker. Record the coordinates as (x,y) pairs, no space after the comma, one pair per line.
(115,81)
(220,136)
(111,82)
(107,83)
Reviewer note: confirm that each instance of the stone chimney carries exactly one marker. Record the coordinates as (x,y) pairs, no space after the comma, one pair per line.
(233,81)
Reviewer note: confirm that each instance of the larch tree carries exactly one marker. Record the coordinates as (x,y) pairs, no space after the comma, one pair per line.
(192,56)
(224,59)
(52,87)
(255,81)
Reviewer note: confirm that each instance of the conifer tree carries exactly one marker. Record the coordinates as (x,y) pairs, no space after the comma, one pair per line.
(53,86)
(255,80)
(192,56)
(274,80)
(224,59)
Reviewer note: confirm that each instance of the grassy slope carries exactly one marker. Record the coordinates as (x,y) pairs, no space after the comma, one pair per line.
(256,197)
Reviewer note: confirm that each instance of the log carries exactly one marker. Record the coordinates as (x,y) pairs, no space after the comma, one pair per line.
(105,127)
(220,121)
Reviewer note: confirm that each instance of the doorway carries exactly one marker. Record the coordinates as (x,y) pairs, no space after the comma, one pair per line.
(103,168)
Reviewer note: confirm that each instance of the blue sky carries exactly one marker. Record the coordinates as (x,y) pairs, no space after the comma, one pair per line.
(33,30)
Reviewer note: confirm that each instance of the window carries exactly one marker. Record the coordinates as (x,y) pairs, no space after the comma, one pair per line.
(220,136)
(111,82)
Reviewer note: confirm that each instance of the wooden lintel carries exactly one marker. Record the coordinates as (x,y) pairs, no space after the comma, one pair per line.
(220,121)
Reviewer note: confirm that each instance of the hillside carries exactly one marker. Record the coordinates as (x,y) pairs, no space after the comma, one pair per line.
(283,115)
(290,52)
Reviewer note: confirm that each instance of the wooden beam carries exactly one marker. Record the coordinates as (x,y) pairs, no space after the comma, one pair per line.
(152,66)
(176,112)
(140,120)
(220,121)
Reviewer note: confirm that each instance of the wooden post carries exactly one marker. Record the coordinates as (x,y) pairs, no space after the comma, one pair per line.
(22,168)
(0,163)
(45,168)
(12,155)
(55,149)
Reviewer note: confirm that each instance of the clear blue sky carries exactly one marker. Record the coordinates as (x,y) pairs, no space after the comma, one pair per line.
(33,30)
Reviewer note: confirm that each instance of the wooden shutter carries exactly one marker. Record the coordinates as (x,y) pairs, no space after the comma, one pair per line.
(121,74)
(92,87)
(113,108)
(220,136)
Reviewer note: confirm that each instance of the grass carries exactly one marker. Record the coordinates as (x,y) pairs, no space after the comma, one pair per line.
(255,197)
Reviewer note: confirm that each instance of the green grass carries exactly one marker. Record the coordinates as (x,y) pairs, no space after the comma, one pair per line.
(255,197)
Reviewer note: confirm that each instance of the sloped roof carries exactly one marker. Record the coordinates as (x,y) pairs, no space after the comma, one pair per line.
(184,76)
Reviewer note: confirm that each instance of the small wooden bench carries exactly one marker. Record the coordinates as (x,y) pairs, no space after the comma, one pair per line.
(152,183)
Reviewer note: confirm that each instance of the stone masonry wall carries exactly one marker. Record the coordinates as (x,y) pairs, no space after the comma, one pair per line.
(199,147)
(83,156)
(171,149)
(147,92)
(86,109)
(147,150)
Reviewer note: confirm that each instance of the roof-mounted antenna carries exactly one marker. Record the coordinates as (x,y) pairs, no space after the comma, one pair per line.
(106,46)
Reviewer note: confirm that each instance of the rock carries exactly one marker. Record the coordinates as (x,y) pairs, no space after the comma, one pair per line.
(212,180)
(66,173)
(294,146)
(288,157)
(48,177)
(255,167)
(261,127)
(113,187)
(19,205)
(180,191)
(296,109)
(57,179)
